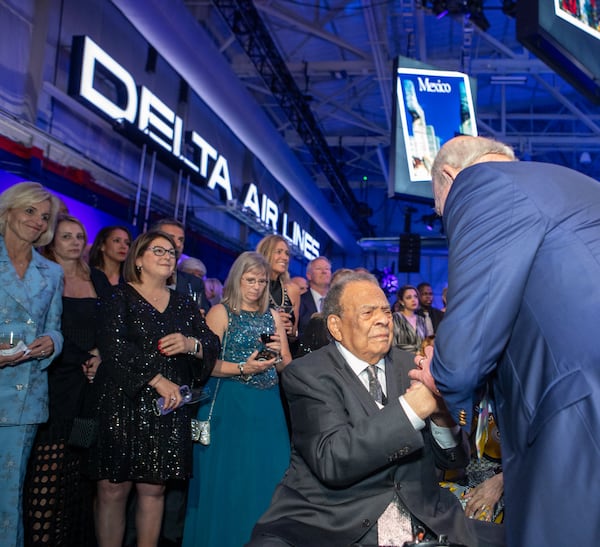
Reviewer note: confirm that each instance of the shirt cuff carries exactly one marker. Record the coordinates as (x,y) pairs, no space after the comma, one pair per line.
(445,437)
(416,422)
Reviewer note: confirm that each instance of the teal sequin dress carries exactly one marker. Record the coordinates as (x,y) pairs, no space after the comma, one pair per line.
(235,476)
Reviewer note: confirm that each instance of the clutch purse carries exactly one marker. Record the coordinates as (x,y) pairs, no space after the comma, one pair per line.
(201,431)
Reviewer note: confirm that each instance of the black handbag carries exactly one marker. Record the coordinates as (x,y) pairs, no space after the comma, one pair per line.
(84,430)
(83,433)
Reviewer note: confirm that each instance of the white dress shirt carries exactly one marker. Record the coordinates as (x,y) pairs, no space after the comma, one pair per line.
(444,436)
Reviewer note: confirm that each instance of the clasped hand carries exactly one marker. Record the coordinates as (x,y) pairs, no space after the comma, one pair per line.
(255,366)
(175,343)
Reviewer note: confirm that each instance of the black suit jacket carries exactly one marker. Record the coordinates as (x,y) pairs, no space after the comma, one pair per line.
(188,283)
(349,458)
(436,316)
(307,308)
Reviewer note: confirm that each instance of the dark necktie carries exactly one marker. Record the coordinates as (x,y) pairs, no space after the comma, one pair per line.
(374,385)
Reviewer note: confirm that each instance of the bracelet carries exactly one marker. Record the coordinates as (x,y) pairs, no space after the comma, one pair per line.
(160,377)
(196,346)
(241,367)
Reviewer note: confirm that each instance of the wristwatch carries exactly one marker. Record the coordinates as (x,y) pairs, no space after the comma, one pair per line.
(245,377)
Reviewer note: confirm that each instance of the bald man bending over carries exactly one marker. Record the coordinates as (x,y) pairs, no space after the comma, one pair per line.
(524,309)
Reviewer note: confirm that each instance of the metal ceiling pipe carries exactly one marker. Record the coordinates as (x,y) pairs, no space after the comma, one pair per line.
(184,44)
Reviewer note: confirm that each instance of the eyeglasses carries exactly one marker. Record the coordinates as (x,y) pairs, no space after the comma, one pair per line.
(253,281)
(161,251)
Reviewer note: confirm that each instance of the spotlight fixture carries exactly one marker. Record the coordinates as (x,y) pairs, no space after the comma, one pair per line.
(473,9)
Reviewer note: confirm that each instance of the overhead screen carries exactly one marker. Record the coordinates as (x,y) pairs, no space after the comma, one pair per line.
(565,34)
(430,107)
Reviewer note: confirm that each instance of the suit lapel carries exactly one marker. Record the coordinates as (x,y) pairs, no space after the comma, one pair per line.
(24,292)
(350,379)
(396,374)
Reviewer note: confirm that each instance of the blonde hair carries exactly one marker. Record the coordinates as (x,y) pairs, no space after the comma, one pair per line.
(49,253)
(266,247)
(25,194)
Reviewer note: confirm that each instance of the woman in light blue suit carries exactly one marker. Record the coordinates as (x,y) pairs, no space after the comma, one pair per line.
(30,309)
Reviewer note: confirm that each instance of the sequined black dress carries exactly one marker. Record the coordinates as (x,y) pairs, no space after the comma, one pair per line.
(133,443)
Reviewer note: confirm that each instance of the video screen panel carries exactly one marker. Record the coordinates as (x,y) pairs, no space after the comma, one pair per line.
(565,34)
(431,107)
(584,14)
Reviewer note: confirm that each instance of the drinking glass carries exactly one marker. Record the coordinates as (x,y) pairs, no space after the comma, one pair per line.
(10,338)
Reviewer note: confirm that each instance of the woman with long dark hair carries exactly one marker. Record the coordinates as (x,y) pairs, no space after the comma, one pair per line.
(107,257)
(409,326)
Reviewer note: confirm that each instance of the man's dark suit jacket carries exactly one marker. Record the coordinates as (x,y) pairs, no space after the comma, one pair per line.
(349,458)
(524,307)
(188,283)
(436,316)
(307,308)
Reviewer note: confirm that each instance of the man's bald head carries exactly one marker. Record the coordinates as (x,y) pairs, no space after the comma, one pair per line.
(459,153)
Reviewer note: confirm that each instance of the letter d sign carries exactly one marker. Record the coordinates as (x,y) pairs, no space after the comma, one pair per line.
(88,60)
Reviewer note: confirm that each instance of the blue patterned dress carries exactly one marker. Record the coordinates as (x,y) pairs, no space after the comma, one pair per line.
(235,476)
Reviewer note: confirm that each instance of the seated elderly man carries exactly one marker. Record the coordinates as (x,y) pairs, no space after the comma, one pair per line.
(366,442)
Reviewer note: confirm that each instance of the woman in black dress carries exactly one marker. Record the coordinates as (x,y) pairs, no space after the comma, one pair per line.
(107,256)
(58,498)
(152,341)
(284,296)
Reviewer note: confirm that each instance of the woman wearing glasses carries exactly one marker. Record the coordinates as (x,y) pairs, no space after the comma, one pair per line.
(152,341)
(235,476)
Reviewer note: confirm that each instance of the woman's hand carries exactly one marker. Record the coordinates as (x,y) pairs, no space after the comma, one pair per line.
(168,390)
(286,320)
(40,348)
(175,343)
(482,499)
(7,360)
(275,343)
(253,366)
(90,367)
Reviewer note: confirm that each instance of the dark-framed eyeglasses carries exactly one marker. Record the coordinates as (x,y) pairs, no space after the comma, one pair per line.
(157,250)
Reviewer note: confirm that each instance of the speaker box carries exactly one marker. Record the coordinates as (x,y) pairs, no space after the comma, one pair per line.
(409,258)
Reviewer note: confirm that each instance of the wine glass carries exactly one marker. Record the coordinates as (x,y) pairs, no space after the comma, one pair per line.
(10,339)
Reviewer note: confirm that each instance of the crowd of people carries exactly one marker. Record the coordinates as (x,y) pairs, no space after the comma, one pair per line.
(126,323)
(332,417)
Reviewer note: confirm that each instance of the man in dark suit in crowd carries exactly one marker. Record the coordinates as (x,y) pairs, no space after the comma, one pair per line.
(356,461)
(524,308)
(184,282)
(426,308)
(318,273)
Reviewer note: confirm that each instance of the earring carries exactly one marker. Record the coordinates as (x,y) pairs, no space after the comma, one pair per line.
(138,269)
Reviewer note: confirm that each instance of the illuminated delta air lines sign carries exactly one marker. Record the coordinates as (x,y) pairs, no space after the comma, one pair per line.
(148,115)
